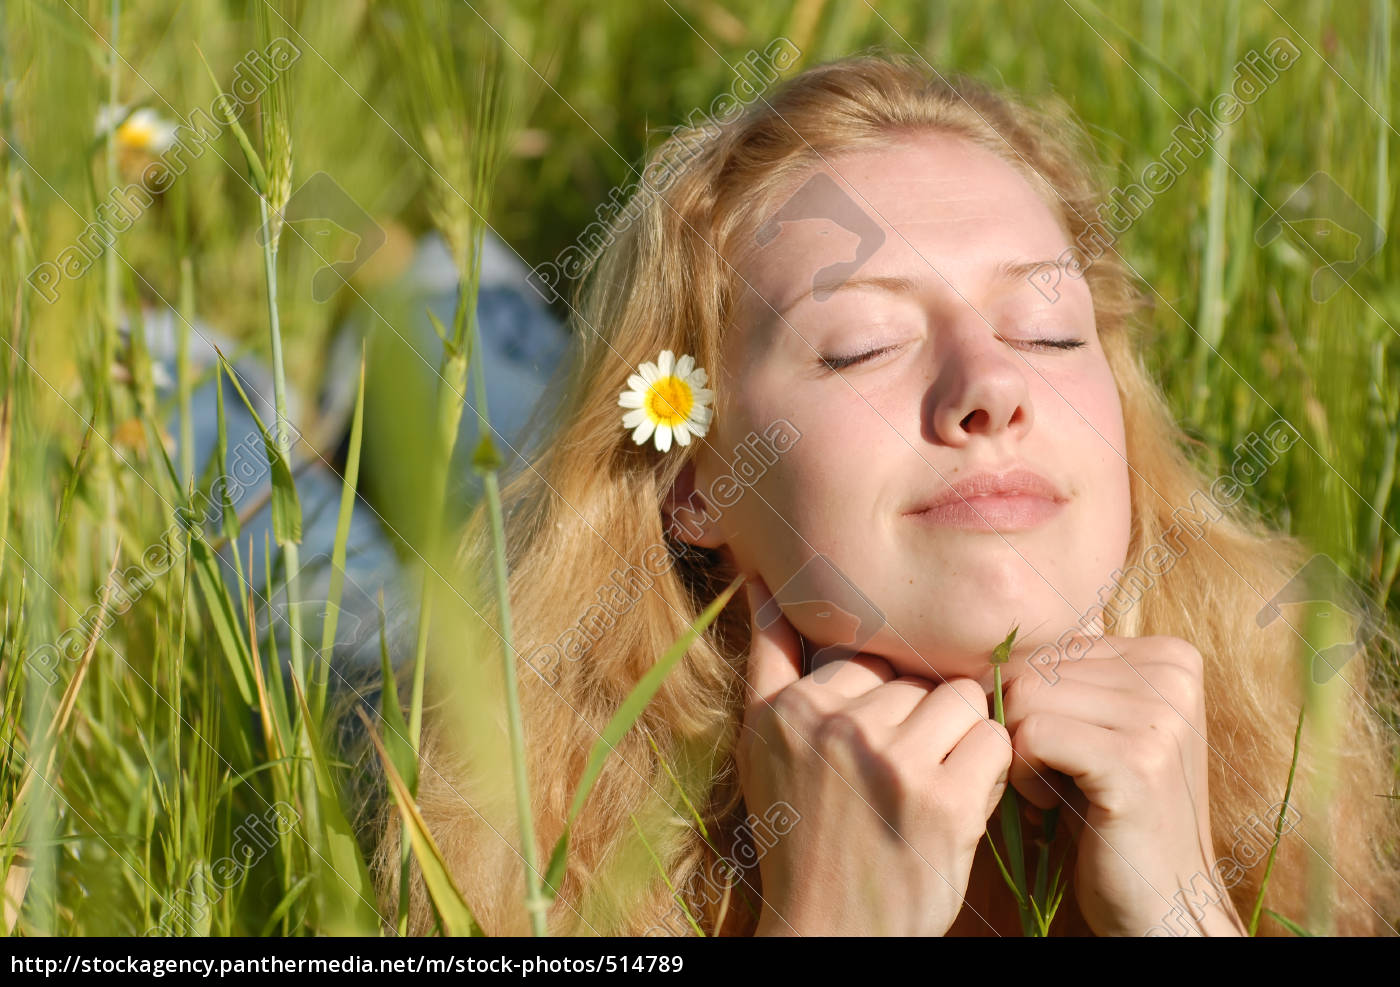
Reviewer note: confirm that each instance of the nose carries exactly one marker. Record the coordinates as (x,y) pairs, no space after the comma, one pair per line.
(980,387)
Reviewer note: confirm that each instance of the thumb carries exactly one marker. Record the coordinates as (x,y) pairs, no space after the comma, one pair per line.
(775,648)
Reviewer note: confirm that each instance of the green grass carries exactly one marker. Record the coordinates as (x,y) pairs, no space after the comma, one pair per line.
(131,778)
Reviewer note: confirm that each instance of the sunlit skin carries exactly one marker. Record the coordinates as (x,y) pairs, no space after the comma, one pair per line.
(961,390)
(963,383)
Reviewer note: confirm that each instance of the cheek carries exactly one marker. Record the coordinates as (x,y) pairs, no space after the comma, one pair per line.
(1084,409)
(1096,421)
(1079,421)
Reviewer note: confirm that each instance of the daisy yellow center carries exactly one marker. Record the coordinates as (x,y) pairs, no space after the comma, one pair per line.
(669,401)
(137,135)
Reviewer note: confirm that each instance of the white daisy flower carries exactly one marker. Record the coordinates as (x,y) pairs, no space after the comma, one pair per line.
(668,398)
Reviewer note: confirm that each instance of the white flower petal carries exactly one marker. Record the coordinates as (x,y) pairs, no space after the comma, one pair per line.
(634,418)
(663,438)
(165,137)
(682,434)
(638,383)
(109,116)
(702,415)
(643,431)
(698,377)
(685,365)
(649,373)
(703,395)
(667,363)
(630,399)
(698,429)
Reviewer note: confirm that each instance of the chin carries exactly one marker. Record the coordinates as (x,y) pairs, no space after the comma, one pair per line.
(963,647)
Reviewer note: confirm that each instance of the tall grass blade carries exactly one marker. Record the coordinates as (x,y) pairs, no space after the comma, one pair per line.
(457,918)
(622,722)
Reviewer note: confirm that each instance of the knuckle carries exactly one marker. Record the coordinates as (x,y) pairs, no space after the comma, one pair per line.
(795,704)
(915,681)
(1181,652)
(1152,758)
(1030,733)
(1181,687)
(876,664)
(994,742)
(1021,690)
(970,691)
(840,732)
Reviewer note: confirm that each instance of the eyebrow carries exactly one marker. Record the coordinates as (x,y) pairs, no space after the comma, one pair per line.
(1004,271)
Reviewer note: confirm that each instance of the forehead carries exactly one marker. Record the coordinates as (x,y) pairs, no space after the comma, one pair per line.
(932,207)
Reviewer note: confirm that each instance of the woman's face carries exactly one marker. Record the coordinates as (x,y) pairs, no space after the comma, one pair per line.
(955,389)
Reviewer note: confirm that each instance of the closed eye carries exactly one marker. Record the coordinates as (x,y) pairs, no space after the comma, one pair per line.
(1052,344)
(841,362)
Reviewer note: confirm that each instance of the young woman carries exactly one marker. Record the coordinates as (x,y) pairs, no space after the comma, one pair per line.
(922,420)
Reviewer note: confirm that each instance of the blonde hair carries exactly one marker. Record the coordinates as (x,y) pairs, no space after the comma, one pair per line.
(592,503)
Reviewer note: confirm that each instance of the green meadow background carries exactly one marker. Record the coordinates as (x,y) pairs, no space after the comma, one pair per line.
(165,778)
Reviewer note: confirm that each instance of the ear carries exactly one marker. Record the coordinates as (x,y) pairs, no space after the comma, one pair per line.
(689,516)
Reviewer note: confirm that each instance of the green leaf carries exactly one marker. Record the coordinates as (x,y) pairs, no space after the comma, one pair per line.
(397,741)
(457,917)
(666,878)
(1006,875)
(321,674)
(66,501)
(1039,894)
(694,813)
(338,858)
(211,586)
(288,899)
(1289,924)
(255,167)
(228,515)
(286,508)
(439,328)
(621,722)
(276,689)
(1010,804)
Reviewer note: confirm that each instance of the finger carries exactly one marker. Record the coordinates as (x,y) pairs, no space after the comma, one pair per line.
(1086,701)
(1046,742)
(981,761)
(891,702)
(775,649)
(1112,671)
(1143,685)
(943,717)
(1123,650)
(851,677)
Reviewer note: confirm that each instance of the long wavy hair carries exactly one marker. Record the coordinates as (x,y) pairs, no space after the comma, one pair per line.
(665,843)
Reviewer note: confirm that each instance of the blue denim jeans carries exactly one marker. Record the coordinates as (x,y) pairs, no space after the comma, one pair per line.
(522,346)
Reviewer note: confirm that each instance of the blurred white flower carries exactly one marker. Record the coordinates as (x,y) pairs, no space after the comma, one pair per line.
(143,130)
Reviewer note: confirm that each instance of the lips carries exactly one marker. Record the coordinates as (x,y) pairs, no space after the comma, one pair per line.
(1018,482)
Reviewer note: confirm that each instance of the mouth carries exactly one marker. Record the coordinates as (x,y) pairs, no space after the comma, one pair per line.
(1012,500)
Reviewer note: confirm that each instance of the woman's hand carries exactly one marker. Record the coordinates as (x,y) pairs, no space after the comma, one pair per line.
(891,781)
(1126,722)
